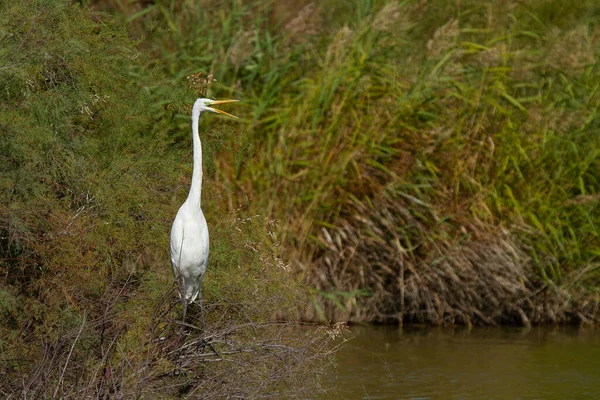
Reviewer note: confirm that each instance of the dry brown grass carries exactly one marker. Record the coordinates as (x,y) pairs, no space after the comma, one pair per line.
(101,358)
(479,275)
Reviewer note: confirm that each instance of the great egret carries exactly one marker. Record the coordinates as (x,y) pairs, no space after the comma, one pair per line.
(189,234)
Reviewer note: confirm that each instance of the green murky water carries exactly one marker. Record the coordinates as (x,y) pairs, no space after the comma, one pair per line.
(483,363)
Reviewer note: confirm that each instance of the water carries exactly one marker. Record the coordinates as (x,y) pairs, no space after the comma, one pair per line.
(483,363)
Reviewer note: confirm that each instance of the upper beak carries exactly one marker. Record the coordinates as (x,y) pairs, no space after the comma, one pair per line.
(220,111)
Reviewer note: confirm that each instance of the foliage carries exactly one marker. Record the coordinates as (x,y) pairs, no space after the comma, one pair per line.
(417,161)
(95,160)
(411,142)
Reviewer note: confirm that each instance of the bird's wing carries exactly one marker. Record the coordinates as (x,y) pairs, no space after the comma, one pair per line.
(176,242)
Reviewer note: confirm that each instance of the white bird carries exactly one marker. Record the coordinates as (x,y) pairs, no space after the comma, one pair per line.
(189,234)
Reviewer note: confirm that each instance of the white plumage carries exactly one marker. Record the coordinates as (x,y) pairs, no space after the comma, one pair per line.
(189,234)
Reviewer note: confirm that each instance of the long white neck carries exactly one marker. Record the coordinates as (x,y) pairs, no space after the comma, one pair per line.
(196,187)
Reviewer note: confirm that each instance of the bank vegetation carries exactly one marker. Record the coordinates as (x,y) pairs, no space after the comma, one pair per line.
(430,162)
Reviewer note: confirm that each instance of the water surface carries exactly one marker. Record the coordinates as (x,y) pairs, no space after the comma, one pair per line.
(482,363)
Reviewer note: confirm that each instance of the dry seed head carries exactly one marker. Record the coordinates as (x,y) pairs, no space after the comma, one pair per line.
(522,64)
(440,132)
(443,39)
(387,18)
(420,8)
(201,85)
(337,330)
(242,48)
(584,199)
(282,265)
(237,87)
(337,48)
(535,114)
(184,109)
(491,57)
(559,120)
(94,100)
(306,23)
(570,52)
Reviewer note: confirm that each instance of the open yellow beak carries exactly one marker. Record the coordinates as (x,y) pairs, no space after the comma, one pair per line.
(220,111)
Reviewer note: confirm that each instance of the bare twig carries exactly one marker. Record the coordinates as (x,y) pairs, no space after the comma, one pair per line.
(62,374)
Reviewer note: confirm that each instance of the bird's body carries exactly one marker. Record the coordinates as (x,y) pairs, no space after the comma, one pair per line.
(189,249)
(189,234)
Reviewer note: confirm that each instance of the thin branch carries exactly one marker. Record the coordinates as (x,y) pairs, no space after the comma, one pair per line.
(62,374)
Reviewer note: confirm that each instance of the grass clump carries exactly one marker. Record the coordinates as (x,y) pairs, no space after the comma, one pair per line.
(432,163)
(94,166)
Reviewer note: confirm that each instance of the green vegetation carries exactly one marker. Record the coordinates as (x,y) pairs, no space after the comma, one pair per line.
(92,174)
(418,161)
(430,161)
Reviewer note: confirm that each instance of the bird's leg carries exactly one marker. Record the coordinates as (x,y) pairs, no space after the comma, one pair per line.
(181,280)
(184,309)
(185,304)
(202,312)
